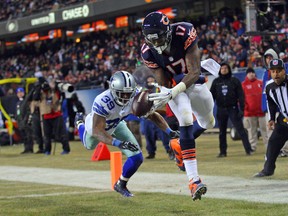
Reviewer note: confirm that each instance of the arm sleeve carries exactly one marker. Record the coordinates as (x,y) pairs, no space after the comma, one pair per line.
(272,106)
(264,98)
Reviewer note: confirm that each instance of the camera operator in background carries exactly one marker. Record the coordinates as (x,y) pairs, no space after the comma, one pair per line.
(22,116)
(48,97)
(35,117)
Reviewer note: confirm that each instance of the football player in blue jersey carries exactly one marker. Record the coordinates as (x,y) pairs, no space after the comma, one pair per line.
(105,123)
(171,52)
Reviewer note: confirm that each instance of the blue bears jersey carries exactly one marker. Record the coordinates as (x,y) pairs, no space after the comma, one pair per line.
(184,36)
(105,105)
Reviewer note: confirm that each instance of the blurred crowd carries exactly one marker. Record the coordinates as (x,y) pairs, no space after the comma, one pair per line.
(11,9)
(92,59)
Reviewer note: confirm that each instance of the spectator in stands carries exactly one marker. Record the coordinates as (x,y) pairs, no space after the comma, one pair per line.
(228,93)
(254,117)
(83,81)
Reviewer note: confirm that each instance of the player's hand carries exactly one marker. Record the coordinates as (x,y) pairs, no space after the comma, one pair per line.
(129,146)
(162,97)
(174,134)
(157,104)
(271,125)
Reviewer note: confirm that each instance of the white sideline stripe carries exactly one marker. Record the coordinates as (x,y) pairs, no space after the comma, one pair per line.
(235,188)
(51,194)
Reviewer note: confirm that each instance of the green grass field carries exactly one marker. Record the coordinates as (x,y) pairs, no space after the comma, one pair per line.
(22,198)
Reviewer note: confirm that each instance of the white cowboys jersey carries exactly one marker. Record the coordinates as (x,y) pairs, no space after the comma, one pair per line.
(105,105)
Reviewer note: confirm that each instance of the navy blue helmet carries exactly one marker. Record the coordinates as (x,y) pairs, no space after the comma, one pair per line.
(157,31)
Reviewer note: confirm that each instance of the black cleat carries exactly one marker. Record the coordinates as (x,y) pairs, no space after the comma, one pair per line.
(122,190)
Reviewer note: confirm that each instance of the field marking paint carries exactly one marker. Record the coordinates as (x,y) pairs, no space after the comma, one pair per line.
(52,194)
(235,188)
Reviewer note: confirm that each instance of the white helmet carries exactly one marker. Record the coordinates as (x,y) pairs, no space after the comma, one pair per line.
(123,86)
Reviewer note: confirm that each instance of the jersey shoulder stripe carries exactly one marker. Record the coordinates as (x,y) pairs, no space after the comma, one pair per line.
(99,109)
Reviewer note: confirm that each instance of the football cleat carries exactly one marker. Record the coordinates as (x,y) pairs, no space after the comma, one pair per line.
(79,118)
(197,189)
(122,190)
(175,146)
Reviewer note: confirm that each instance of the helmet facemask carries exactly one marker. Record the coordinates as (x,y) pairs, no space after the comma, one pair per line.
(123,87)
(122,97)
(159,41)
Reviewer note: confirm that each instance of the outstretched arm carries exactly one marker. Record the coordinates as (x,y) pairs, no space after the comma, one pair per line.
(162,124)
(159,121)
(99,123)
(192,60)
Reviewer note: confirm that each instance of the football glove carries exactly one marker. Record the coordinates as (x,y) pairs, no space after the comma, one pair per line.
(167,94)
(174,134)
(129,146)
(162,97)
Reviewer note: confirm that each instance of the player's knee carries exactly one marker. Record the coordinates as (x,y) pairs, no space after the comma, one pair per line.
(138,159)
(186,119)
(207,123)
(88,147)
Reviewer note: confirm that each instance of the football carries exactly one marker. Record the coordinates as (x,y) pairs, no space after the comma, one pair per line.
(141,105)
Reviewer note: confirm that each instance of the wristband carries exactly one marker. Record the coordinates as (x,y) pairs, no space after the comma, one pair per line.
(116,142)
(168,131)
(180,87)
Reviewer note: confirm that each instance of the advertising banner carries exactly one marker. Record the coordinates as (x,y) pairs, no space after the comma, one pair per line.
(72,15)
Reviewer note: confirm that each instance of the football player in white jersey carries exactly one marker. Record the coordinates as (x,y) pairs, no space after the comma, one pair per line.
(106,124)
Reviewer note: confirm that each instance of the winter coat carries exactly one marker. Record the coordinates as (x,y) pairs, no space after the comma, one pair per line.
(253,96)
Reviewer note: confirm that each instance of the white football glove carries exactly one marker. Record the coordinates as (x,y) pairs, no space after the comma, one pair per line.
(167,94)
(162,97)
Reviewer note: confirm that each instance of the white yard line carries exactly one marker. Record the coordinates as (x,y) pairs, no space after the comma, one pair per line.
(256,190)
(51,194)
